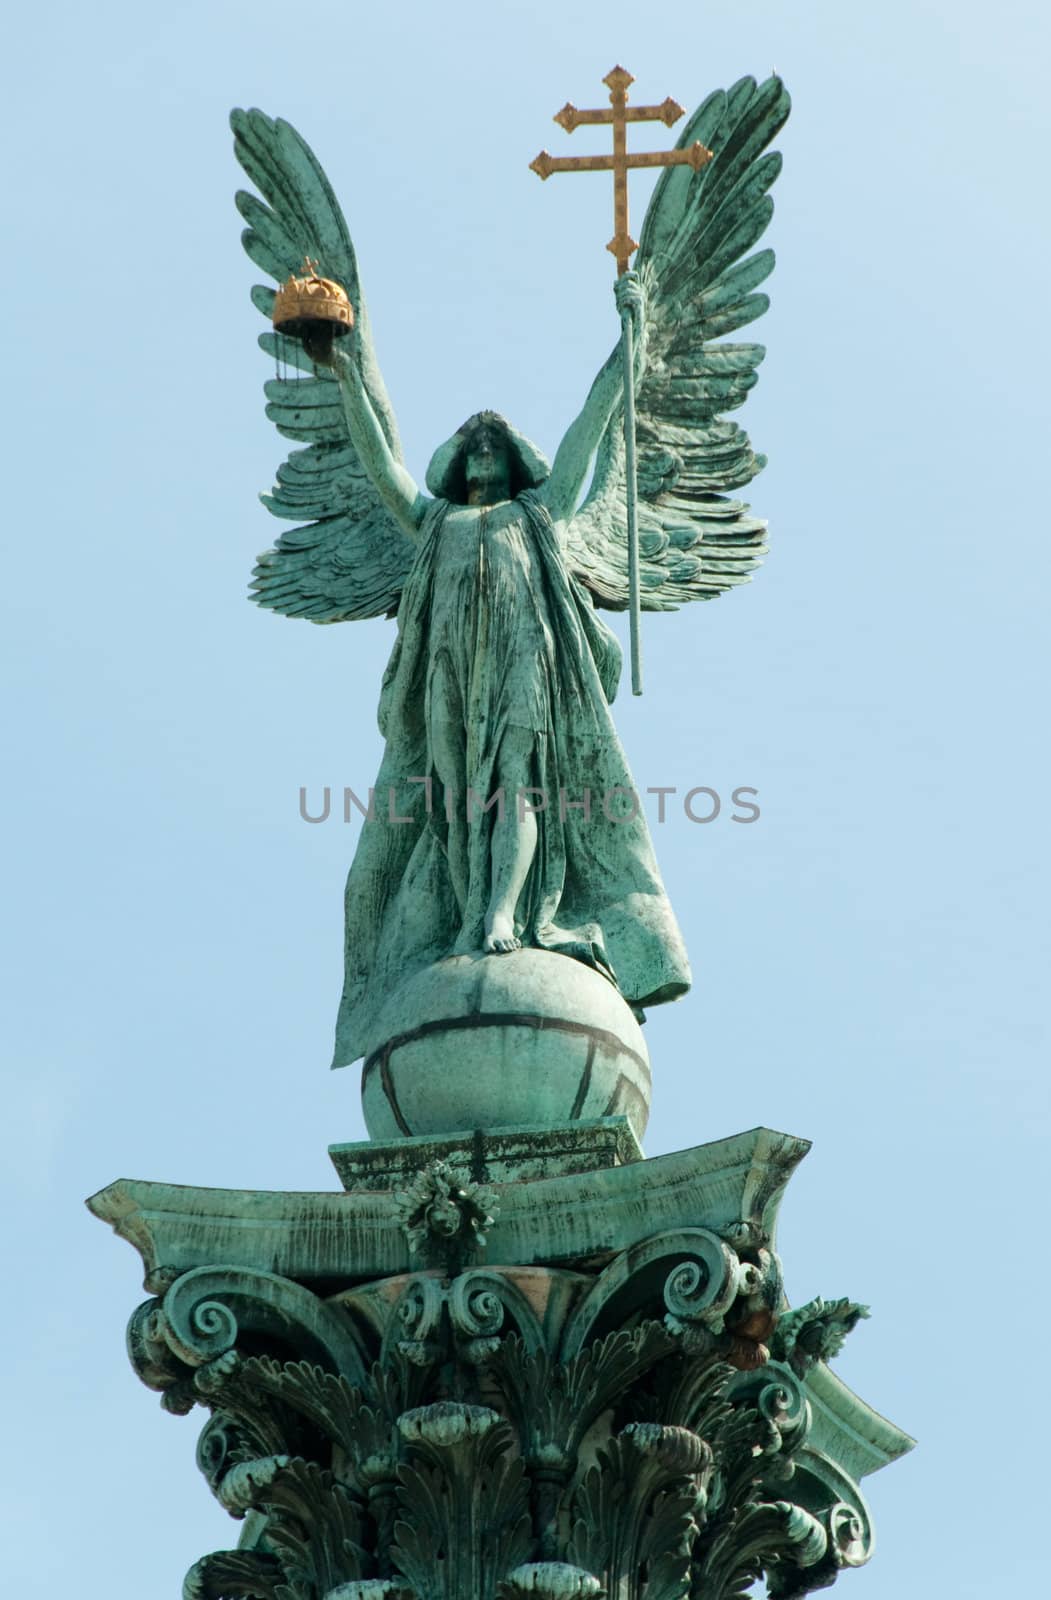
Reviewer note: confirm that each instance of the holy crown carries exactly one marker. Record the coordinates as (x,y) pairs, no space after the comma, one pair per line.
(311,298)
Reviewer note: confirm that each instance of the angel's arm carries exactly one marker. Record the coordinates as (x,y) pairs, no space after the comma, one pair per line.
(562,489)
(395,486)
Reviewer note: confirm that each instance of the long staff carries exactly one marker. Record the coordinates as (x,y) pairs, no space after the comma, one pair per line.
(631,485)
(619,114)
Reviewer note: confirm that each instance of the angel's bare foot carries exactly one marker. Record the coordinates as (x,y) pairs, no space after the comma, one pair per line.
(514,843)
(500,935)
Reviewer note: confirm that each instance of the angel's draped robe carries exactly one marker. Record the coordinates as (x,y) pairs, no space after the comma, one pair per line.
(494,633)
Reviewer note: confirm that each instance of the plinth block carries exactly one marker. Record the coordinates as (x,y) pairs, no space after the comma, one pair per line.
(492,1155)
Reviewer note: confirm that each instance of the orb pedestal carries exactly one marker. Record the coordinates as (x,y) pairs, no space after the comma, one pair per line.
(530,1038)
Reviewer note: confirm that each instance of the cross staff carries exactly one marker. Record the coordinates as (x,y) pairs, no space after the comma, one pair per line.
(622,245)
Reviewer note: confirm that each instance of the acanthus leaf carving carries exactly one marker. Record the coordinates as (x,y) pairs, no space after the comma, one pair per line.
(634,1513)
(512,1439)
(555,1402)
(760,1536)
(815,1332)
(463,1504)
(314,1527)
(234,1575)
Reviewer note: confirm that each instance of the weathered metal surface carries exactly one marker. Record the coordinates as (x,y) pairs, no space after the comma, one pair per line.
(733,1184)
(511,1361)
(502,674)
(497,1155)
(699,282)
(532,1038)
(470,1430)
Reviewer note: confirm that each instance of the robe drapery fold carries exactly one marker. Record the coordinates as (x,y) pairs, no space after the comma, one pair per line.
(494,634)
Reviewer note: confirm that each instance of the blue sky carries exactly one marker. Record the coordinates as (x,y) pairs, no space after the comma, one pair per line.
(869,956)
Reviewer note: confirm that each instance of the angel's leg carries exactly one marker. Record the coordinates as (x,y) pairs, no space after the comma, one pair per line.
(514,843)
(447,755)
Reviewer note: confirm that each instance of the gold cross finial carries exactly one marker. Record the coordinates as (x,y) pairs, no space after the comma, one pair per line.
(619,113)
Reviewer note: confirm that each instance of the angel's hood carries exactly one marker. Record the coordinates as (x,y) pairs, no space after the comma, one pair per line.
(445,475)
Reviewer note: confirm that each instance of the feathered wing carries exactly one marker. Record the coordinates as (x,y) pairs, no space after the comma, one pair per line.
(350,561)
(699,281)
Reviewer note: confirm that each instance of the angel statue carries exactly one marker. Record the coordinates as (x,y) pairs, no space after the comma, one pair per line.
(505,812)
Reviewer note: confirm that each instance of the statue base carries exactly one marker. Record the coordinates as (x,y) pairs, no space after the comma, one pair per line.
(526,1039)
(432,1387)
(495,1155)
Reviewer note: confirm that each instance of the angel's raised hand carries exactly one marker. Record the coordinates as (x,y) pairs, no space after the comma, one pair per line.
(344,361)
(627,291)
(325,343)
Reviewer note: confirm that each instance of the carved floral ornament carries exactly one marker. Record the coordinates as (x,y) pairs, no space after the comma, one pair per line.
(441,1210)
(504,1432)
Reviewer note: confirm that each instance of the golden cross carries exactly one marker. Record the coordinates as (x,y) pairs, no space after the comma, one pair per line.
(620,114)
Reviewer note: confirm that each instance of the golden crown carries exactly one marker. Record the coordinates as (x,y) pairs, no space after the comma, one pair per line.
(312,299)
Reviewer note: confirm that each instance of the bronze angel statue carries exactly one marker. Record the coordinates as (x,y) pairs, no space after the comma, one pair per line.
(500,748)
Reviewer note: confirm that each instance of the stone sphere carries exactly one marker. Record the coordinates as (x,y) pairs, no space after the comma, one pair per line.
(529,1038)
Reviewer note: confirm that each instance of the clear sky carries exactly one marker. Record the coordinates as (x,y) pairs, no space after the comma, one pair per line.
(869,955)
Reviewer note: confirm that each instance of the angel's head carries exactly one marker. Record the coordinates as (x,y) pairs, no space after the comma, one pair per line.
(487,465)
(485,461)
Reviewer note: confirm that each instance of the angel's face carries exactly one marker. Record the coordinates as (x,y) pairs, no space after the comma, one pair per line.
(487,468)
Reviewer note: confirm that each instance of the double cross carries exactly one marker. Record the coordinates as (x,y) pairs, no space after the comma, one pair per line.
(619,113)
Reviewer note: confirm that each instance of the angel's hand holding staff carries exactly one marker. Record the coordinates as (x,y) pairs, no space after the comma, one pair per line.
(627,291)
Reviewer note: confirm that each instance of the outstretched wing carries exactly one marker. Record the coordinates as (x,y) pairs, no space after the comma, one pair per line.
(351,561)
(699,282)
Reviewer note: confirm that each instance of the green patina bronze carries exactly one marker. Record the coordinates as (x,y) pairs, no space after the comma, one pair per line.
(511,1357)
(503,671)
(459,1379)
